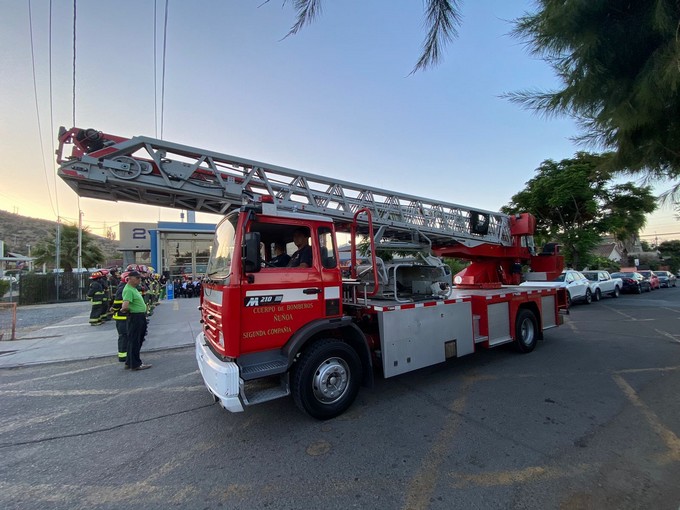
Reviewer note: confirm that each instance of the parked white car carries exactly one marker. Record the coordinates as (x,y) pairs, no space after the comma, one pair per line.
(602,284)
(577,285)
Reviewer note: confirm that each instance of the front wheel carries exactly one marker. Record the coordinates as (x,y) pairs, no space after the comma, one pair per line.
(598,295)
(526,331)
(326,379)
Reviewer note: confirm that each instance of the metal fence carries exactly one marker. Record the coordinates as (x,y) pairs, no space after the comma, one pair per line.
(35,289)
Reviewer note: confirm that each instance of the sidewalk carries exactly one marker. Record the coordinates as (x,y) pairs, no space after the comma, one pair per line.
(173,324)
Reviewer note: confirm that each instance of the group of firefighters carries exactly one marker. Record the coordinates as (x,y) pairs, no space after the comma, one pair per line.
(106,294)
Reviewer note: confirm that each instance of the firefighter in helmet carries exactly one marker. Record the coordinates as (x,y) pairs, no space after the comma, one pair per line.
(120,318)
(97,295)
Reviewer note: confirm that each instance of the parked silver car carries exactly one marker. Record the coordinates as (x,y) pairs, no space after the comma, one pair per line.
(666,278)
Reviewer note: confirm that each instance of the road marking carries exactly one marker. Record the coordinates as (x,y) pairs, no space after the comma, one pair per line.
(79,407)
(668,437)
(84,393)
(511,477)
(668,335)
(651,369)
(60,374)
(81,324)
(619,312)
(422,485)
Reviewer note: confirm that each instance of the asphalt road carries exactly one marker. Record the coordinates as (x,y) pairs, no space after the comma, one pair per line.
(590,419)
(30,318)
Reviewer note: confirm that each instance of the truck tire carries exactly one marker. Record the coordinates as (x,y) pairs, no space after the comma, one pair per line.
(326,379)
(598,295)
(526,331)
(617,292)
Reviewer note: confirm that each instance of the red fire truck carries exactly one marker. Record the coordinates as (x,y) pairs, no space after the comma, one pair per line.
(307,328)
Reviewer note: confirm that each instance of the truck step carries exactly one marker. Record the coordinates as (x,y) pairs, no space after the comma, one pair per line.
(263,390)
(265,368)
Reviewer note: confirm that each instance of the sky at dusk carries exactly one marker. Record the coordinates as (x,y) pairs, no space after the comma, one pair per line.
(336,99)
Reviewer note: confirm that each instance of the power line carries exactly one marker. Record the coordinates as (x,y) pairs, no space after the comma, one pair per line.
(660,234)
(37,108)
(49,45)
(155,67)
(74,62)
(165,40)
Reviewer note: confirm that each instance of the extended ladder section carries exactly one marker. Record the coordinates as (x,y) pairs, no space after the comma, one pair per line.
(155,172)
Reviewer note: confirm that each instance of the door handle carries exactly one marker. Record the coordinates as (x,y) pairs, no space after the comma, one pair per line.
(311,291)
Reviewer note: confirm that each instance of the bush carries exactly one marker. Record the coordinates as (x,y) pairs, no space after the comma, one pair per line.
(4,287)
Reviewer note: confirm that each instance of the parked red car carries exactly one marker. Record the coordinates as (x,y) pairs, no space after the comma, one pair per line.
(653,279)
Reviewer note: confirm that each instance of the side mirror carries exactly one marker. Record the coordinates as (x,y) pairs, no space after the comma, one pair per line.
(251,253)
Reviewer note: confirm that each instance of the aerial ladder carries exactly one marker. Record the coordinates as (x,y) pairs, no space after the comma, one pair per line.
(156,172)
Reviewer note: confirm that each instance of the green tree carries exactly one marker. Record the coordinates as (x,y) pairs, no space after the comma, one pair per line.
(575,204)
(619,64)
(670,253)
(45,251)
(442,21)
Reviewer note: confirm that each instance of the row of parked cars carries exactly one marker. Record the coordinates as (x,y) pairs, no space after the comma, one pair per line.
(589,286)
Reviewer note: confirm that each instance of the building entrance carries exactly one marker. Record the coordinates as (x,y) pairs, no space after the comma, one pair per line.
(185,255)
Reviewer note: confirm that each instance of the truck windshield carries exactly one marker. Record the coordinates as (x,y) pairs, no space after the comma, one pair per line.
(219,265)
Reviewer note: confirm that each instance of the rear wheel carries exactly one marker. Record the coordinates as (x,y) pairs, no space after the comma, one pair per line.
(639,289)
(589,297)
(326,379)
(526,331)
(617,292)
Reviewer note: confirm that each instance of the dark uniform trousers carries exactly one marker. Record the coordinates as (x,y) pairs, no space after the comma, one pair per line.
(136,329)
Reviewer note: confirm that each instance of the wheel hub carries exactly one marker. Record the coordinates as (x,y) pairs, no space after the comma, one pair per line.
(331,380)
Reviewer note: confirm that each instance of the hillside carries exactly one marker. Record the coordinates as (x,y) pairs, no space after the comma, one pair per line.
(19,231)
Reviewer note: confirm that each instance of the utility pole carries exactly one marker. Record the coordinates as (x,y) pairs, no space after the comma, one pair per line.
(80,252)
(58,255)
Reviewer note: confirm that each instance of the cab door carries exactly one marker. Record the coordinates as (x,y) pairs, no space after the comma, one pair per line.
(278,301)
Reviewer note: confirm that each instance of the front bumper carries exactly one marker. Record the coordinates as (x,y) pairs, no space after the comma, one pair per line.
(220,377)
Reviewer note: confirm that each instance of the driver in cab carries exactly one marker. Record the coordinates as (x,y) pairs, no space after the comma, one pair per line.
(303,256)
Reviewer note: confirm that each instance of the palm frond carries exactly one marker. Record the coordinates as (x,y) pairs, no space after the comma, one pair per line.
(307,10)
(443,19)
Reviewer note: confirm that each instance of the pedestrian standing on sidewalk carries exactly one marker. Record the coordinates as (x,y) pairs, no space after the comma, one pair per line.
(134,306)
